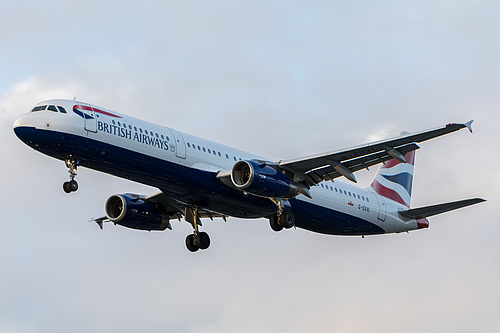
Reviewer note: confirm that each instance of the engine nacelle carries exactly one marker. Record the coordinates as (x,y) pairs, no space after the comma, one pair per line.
(262,180)
(134,213)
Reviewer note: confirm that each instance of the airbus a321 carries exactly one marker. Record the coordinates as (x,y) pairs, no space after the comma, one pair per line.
(199,179)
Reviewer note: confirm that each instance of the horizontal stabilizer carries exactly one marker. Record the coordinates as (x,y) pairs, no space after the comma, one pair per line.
(418,213)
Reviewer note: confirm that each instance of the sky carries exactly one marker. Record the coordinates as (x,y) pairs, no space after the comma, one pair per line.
(281,79)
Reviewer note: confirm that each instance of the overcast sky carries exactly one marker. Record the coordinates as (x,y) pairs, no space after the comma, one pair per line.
(281,79)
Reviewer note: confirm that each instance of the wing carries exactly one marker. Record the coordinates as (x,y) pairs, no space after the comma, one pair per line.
(314,169)
(418,213)
(168,206)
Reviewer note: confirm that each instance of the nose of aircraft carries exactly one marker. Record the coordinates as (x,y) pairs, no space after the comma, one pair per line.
(24,127)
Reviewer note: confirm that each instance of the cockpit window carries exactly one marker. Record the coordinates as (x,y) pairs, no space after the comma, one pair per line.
(52,108)
(61,109)
(39,108)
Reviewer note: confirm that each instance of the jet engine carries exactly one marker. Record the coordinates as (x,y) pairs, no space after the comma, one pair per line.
(262,180)
(134,213)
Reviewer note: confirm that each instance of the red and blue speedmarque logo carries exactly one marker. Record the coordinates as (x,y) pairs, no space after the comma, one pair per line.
(80,110)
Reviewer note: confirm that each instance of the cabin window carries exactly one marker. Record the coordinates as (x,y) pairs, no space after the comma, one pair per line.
(220,154)
(61,109)
(140,129)
(189,146)
(112,121)
(162,137)
(227,156)
(204,150)
(209,151)
(119,123)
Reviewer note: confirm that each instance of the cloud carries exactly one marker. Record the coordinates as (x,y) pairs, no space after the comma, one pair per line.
(282,80)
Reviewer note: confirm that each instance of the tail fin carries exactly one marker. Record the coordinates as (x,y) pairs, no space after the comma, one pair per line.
(395,178)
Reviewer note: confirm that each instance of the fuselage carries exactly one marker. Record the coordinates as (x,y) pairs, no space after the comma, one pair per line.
(185,168)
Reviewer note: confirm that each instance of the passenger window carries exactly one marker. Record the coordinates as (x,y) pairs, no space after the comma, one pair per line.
(204,150)
(367,199)
(188,145)
(135,128)
(215,153)
(220,155)
(61,109)
(157,135)
(130,127)
(112,121)
(162,137)
(209,151)
(140,129)
(39,108)
(227,156)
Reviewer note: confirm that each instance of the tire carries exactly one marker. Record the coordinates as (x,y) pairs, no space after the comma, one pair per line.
(190,243)
(66,187)
(273,221)
(287,219)
(73,185)
(202,240)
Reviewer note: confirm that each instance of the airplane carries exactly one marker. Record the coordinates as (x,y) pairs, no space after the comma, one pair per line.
(199,179)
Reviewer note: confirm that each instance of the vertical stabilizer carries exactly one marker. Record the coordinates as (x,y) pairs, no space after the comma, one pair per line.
(395,178)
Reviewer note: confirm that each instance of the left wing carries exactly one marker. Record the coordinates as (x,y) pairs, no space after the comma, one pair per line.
(314,169)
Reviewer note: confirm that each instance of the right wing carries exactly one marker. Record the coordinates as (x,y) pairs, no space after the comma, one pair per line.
(314,169)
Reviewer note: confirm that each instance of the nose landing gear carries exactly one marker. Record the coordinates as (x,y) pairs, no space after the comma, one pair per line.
(71,185)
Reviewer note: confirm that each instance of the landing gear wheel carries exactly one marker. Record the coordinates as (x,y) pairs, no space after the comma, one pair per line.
(286,219)
(73,185)
(202,240)
(67,187)
(191,244)
(273,221)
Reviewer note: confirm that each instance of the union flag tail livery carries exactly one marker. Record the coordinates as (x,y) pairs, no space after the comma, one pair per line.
(395,179)
(199,178)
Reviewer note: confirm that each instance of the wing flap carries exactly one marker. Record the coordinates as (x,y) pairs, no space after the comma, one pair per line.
(418,213)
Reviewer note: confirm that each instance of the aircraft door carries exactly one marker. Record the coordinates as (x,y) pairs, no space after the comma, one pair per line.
(180,145)
(381,207)
(89,116)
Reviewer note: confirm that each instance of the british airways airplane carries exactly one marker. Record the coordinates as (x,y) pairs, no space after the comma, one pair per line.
(199,178)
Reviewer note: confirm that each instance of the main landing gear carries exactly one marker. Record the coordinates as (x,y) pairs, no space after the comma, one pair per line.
(71,185)
(197,240)
(284,220)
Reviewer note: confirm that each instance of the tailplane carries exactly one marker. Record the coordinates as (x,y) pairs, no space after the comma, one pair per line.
(395,178)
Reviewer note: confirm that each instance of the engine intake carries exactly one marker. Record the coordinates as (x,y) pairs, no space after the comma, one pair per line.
(262,180)
(134,213)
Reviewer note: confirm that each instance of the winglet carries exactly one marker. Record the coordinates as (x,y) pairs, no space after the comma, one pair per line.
(469,125)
